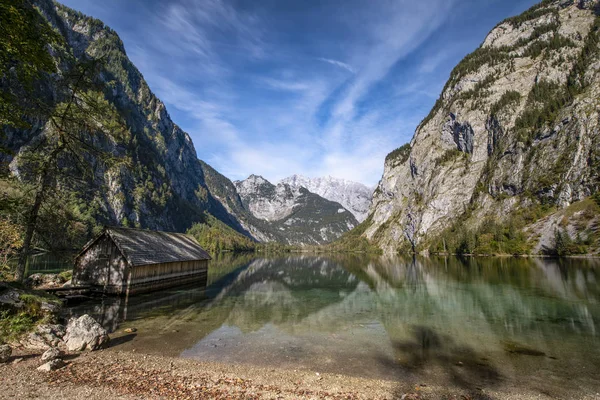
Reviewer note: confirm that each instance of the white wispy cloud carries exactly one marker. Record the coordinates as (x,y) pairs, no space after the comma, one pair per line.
(254,103)
(338,64)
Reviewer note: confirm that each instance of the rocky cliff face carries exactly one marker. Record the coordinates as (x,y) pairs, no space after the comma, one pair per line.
(291,215)
(165,186)
(353,196)
(515,129)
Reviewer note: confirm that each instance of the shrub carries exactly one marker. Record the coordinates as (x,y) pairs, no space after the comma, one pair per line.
(399,156)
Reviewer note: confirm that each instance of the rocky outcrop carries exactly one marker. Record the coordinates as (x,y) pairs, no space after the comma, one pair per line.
(84,333)
(164,186)
(516,128)
(44,337)
(353,196)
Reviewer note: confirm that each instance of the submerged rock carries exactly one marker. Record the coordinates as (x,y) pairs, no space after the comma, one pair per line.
(84,333)
(5,353)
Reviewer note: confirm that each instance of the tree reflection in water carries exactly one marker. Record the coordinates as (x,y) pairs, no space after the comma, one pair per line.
(460,322)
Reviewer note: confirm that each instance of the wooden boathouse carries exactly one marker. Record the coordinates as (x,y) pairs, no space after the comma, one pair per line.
(126,261)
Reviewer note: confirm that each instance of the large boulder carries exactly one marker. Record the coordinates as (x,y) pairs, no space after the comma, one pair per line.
(5,353)
(44,337)
(84,333)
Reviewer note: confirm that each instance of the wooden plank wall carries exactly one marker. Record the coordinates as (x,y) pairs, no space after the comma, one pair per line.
(146,278)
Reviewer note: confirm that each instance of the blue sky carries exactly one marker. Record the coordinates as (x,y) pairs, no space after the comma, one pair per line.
(278,87)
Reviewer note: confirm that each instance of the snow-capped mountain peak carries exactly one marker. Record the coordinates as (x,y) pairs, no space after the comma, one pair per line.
(354,196)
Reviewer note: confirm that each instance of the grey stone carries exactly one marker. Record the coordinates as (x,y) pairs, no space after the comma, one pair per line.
(5,353)
(84,333)
(10,298)
(51,354)
(44,337)
(51,365)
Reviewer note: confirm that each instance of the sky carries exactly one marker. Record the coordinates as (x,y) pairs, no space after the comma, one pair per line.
(283,87)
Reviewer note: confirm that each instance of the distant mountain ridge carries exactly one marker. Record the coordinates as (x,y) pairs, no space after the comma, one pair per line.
(355,197)
(292,215)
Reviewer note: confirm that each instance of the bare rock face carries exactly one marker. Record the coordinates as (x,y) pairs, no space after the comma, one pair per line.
(5,353)
(84,333)
(516,127)
(51,365)
(51,354)
(44,337)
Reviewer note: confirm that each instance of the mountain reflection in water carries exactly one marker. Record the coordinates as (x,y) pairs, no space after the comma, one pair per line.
(484,321)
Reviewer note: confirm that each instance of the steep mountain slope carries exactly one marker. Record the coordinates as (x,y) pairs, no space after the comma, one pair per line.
(353,196)
(513,137)
(164,185)
(292,215)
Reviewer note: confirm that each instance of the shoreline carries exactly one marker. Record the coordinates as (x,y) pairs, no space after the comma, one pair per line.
(113,373)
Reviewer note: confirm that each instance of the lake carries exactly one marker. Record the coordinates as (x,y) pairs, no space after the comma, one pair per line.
(475,323)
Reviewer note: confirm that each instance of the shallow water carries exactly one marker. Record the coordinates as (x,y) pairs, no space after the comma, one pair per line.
(479,323)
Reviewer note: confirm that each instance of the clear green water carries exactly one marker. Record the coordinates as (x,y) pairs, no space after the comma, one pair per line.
(487,322)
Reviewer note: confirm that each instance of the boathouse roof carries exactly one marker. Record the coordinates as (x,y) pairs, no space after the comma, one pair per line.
(144,247)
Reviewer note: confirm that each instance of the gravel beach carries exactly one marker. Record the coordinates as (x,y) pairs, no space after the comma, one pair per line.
(112,373)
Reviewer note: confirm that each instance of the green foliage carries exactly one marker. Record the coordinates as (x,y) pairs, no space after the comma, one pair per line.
(596,198)
(537,11)
(576,82)
(11,240)
(556,42)
(508,99)
(491,237)
(450,156)
(66,275)
(565,245)
(12,326)
(547,98)
(15,322)
(24,40)
(544,103)
(214,236)
(353,241)
(276,248)
(399,156)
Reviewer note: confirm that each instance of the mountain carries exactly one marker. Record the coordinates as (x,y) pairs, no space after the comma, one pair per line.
(510,154)
(164,186)
(292,215)
(353,196)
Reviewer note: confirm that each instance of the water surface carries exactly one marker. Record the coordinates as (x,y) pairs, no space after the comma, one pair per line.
(476,323)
